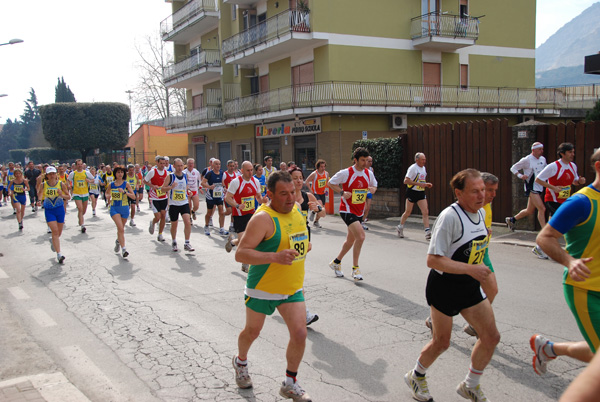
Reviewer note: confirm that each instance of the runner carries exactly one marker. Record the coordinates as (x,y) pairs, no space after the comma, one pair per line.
(120,188)
(369,196)
(3,185)
(132,180)
(176,184)
(140,186)
(94,189)
(31,174)
(10,176)
(455,257)
(81,179)
(531,165)
(416,183)
(307,202)
(16,191)
(107,178)
(578,220)
(283,166)
(155,179)
(213,181)
(193,176)
(269,168)
(55,193)
(204,171)
(241,194)
(557,177)
(228,176)
(262,179)
(353,184)
(276,246)
(317,182)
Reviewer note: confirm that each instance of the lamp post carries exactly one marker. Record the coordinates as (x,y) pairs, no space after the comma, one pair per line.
(12,42)
(129,92)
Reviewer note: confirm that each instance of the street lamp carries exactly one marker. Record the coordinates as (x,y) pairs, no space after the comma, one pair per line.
(3,95)
(12,42)
(129,92)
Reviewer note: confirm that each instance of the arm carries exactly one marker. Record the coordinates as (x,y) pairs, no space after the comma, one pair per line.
(65,192)
(338,189)
(309,180)
(129,191)
(167,186)
(547,185)
(314,205)
(548,241)
(520,165)
(259,228)
(230,200)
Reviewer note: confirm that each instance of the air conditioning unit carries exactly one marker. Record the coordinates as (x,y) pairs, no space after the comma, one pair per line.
(399,121)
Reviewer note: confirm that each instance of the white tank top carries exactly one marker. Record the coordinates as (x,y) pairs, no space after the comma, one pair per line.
(193,179)
(179,192)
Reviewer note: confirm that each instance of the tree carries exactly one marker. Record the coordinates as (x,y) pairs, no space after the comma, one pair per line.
(151,97)
(62,92)
(30,120)
(9,138)
(594,114)
(86,126)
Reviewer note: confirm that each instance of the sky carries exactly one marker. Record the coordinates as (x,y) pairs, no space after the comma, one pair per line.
(92,44)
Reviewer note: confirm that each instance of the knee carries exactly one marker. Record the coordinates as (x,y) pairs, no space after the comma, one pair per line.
(490,338)
(441,343)
(298,335)
(251,332)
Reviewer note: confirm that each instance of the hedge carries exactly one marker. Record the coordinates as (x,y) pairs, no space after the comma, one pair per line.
(43,155)
(387,160)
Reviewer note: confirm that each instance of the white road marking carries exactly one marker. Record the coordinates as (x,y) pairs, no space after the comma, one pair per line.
(3,274)
(18,293)
(42,318)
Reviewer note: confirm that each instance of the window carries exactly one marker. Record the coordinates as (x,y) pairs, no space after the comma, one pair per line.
(236,70)
(197,101)
(464,8)
(234,10)
(464,76)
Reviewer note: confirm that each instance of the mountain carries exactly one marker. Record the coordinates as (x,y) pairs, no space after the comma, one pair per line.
(559,60)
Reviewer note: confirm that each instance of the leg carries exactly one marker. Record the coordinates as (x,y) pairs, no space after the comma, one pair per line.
(441,326)
(208,216)
(163,217)
(577,350)
(195,202)
(84,205)
(347,244)
(527,211)
(481,317)
(187,226)
(174,230)
(422,204)
(294,315)
(221,211)
(156,218)
(56,231)
(359,238)
(254,324)
(536,199)
(120,229)
(407,211)
(490,287)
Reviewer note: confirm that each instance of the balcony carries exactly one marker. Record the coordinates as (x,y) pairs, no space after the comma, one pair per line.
(280,34)
(193,19)
(246,3)
(195,119)
(201,67)
(444,32)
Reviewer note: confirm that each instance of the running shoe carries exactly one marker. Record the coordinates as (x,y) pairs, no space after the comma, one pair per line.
(510,223)
(52,246)
(229,244)
(310,318)
(207,230)
(428,235)
(14,211)
(469,330)
(20,225)
(474,394)
(540,358)
(32,209)
(242,378)
(117,246)
(61,259)
(364,226)
(49,230)
(223,232)
(210,223)
(294,392)
(93,212)
(125,254)
(316,224)
(132,223)
(418,386)
(245,268)
(400,231)
(188,247)
(193,215)
(160,238)
(337,268)
(151,227)
(83,229)
(231,228)
(539,253)
(428,323)
(356,275)
(174,246)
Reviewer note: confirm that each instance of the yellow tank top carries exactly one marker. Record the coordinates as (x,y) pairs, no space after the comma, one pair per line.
(80,185)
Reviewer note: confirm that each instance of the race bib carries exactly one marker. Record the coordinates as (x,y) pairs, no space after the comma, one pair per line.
(51,192)
(218,192)
(19,188)
(321,183)
(359,196)
(420,188)
(160,192)
(93,187)
(178,195)
(263,189)
(247,203)
(109,179)
(80,184)
(478,248)
(116,195)
(299,242)
(565,192)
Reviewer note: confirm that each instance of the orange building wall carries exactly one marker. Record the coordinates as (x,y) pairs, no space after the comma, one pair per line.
(151,140)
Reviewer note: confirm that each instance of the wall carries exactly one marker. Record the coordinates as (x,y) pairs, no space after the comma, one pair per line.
(497,71)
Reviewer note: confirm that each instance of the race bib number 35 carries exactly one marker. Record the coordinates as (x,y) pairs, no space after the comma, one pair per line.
(299,242)
(478,248)
(359,196)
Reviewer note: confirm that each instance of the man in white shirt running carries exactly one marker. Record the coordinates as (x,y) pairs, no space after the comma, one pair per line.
(415,194)
(193,177)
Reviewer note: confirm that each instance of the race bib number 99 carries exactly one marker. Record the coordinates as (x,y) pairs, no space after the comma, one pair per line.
(359,196)
(478,248)
(299,242)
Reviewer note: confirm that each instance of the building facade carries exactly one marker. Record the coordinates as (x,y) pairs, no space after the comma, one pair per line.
(302,80)
(150,140)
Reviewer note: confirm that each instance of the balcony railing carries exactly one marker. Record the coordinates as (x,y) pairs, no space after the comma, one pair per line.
(205,58)
(185,14)
(208,114)
(444,25)
(403,95)
(274,27)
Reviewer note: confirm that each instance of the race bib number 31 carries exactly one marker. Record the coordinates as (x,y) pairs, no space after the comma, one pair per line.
(247,203)
(299,242)
(359,196)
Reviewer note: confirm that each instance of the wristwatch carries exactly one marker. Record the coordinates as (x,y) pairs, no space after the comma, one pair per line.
(342,193)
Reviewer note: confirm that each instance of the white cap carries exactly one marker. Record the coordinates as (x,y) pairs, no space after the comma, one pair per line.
(50,169)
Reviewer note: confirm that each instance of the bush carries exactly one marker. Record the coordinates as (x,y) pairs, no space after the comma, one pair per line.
(387,160)
(17,155)
(43,155)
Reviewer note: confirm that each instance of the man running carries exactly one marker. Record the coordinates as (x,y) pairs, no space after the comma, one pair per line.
(455,258)
(241,195)
(353,184)
(176,184)
(276,246)
(228,176)
(317,182)
(193,176)
(107,177)
(531,165)
(269,168)
(416,183)
(369,196)
(213,182)
(31,174)
(558,177)
(155,179)
(578,221)
(132,180)
(80,180)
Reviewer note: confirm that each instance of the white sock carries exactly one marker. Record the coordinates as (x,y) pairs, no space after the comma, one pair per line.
(419,368)
(241,362)
(473,377)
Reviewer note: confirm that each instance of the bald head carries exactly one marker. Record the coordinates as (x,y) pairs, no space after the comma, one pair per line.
(247,170)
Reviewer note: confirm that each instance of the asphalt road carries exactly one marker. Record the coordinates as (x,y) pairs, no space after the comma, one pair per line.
(163,325)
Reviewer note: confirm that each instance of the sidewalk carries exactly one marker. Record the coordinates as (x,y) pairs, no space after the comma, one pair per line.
(54,387)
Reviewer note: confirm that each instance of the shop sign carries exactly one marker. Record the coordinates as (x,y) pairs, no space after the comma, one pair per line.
(199,139)
(292,127)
